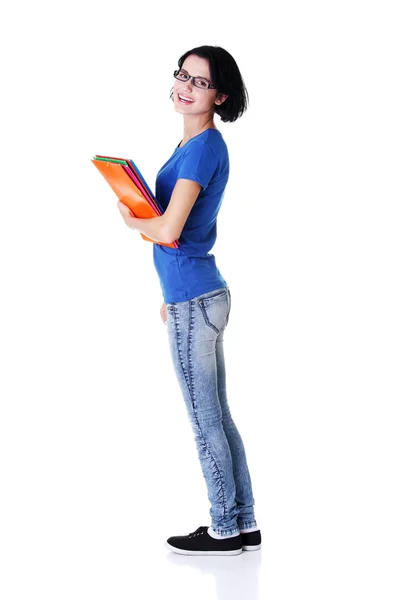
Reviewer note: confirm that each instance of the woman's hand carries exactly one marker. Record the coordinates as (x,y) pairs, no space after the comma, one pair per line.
(163,312)
(126,213)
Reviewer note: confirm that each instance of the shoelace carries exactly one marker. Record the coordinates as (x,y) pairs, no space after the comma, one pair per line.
(199,531)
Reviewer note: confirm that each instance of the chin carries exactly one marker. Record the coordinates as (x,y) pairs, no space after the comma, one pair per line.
(179,108)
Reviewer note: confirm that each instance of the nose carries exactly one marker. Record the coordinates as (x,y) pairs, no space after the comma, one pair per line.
(187,84)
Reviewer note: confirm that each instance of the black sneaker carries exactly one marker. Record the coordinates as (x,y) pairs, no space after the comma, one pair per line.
(199,542)
(251,540)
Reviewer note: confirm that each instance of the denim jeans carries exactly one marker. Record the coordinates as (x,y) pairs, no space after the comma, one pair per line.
(196,334)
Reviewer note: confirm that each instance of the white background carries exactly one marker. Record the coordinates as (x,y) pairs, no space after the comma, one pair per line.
(98,461)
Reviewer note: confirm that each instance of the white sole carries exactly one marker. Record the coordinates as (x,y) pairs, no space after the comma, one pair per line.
(203,552)
(251,547)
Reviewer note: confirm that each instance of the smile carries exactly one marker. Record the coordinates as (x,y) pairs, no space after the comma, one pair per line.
(184,99)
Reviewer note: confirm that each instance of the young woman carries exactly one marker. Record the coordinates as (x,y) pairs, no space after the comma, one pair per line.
(197,300)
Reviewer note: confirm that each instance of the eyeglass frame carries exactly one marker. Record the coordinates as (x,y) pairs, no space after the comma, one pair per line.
(192,78)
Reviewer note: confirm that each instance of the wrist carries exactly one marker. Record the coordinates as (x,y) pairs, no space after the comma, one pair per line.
(131,222)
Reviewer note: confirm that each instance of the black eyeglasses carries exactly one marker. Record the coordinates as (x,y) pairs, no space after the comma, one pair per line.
(199,82)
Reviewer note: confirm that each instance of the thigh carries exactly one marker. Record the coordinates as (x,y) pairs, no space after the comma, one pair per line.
(194,328)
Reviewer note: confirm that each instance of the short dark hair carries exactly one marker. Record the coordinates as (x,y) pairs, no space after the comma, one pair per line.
(225,75)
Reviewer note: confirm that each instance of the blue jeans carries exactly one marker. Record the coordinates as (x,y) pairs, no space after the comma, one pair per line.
(196,334)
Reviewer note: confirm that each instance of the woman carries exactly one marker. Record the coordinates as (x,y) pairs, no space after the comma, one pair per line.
(197,300)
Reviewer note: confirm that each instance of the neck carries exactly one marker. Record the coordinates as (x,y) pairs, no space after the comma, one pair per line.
(192,127)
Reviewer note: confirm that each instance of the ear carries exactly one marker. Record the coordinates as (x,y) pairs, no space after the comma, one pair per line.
(221,99)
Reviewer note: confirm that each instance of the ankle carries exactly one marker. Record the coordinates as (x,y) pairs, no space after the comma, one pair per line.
(248,529)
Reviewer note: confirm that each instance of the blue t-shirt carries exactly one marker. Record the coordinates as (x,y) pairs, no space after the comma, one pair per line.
(190,270)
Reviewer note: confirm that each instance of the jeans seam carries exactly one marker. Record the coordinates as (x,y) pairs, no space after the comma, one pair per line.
(221,494)
(190,366)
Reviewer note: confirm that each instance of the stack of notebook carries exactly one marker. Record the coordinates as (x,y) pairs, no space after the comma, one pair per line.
(125,179)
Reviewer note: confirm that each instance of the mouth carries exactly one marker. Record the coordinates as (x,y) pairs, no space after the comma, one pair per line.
(182,99)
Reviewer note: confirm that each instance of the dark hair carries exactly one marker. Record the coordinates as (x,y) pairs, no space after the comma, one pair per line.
(225,75)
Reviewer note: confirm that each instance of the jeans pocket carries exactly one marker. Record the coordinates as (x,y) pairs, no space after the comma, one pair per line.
(215,310)
(214,297)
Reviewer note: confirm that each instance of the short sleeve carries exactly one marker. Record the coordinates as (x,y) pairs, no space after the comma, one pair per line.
(199,163)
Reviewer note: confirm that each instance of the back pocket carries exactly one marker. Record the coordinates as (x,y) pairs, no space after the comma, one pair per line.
(215,310)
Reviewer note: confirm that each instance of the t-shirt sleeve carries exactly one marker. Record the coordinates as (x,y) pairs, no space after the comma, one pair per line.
(199,163)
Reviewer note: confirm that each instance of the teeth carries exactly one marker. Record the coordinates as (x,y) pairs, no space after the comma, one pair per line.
(183,98)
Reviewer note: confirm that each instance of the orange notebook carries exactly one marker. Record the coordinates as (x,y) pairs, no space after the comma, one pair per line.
(128,184)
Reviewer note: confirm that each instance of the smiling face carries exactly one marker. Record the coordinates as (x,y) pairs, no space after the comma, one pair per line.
(204,101)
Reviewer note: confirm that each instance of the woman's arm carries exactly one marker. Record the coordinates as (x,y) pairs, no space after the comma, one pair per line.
(153,228)
(183,197)
(168,227)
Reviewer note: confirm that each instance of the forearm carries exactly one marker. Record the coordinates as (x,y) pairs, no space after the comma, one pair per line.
(153,228)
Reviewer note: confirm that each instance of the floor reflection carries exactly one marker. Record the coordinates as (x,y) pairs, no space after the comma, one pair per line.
(236,577)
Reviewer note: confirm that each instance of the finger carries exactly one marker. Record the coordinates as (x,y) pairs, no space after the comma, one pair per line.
(123,207)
